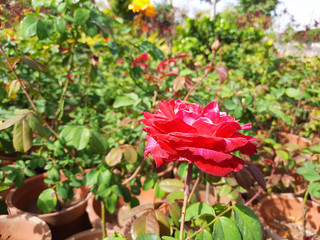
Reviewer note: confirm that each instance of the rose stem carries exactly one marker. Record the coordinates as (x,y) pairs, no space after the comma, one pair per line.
(207,192)
(304,212)
(194,186)
(135,172)
(185,200)
(202,78)
(103,220)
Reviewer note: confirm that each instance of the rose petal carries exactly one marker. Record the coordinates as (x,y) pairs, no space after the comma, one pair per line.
(207,154)
(221,169)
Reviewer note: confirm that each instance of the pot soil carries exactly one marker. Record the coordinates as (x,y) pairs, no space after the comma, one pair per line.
(71,219)
(20,227)
(283,218)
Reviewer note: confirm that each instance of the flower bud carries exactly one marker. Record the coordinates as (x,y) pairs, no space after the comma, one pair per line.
(215,45)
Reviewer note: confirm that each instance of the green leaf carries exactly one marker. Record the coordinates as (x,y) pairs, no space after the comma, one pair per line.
(123,101)
(130,154)
(314,189)
(282,154)
(279,114)
(175,213)
(146,223)
(294,93)
(113,48)
(61,25)
(92,177)
(158,53)
(67,133)
(197,210)
(163,223)
(47,200)
(158,192)
(81,15)
(309,173)
(219,208)
(19,179)
(104,190)
(148,236)
(247,222)
(61,7)
(177,195)
(98,143)
(45,28)
(229,104)
(36,125)
(22,136)
(225,190)
(81,138)
(171,185)
(111,202)
(64,191)
(104,177)
(205,235)
(114,156)
(29,26)
(226,229)
(41,3)
(32,63)
(11,121)
(148,183)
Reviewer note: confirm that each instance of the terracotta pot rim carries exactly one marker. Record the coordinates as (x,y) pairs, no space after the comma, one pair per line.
(30,218)
(85,233)
(9,198)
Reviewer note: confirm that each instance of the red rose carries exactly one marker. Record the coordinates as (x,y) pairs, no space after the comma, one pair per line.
(120,61)
(181,131)
(161,67)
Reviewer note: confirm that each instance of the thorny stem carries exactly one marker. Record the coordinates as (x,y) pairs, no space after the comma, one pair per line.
(207,192)
(304,212)
(24,89)
(209,224)
(195,186)
(185,200)
(203,77)
(135,172)
(59,112)
(103,220)
(294,118)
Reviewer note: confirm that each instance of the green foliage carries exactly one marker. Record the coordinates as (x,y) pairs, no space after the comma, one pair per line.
(265,6)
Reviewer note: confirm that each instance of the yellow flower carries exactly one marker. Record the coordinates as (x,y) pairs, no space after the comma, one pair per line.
(139,5)
(149,11)
(270,43)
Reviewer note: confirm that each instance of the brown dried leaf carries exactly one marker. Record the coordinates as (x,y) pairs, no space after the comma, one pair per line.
(221,71)
(178,83)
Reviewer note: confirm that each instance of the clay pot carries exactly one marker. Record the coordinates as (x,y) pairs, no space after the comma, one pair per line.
(20,227)
(274,208)
(24,200)
(91,234)
(7,159)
